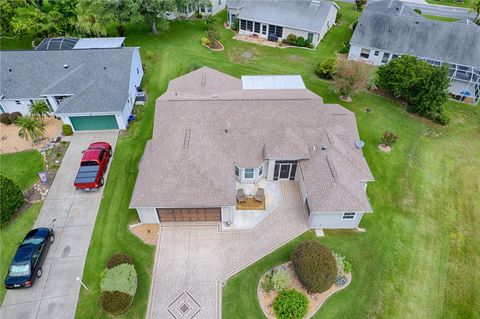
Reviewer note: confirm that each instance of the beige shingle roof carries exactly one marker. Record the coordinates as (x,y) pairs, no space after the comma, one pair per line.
(200,133)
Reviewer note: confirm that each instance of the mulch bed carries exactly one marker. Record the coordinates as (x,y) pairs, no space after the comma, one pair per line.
(251,204)
(148,233)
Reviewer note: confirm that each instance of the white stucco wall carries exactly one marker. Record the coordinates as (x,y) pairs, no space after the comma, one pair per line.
(10,106)
(333,221)
(355,51)
(148,215)
(136,75)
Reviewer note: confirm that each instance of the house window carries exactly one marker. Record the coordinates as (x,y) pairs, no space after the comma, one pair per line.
(243,25)
(394,56)
(260,171)
(202,8)
(248,173)
(257,27)
(237,171)
(273,29)
(365,53)
(219,2)
(264,29)
(249,25)
(385,58)
(348,216)
(376,53)
(310,37)
(138,71)
(18,102)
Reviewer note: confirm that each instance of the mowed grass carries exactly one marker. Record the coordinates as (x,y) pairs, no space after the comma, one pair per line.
(22,167)
(10,236)
(439,18)
(453,3)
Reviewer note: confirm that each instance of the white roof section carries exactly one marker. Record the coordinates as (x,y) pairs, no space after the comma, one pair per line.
(272,82)
(99,43)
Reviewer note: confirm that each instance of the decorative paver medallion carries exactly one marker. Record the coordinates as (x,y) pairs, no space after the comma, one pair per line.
(184,307)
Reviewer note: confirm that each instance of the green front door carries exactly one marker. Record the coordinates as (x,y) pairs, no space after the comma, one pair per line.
(90,123)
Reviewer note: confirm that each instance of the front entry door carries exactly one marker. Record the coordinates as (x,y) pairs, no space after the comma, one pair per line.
(285,171)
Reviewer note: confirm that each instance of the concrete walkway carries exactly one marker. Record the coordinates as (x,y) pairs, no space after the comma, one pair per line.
(72,215)
(192,262)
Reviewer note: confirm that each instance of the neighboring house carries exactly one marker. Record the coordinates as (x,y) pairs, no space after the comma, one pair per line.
(206,7)
(91,85)
(214,133)
(388,29)
(276,19)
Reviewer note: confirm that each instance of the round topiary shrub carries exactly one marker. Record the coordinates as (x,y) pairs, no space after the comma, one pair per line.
(314,265)
(4,118)
(119,259)
(11,199)
(67,130)
(115,302)
(290,304)
(14,116)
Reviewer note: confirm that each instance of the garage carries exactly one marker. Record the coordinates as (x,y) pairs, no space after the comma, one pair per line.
(189,214)
(94,123)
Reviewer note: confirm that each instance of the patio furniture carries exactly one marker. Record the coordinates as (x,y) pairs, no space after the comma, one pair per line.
(260,195)
(240,195)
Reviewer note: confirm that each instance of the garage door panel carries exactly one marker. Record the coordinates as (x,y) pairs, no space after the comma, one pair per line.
(92,123)
(189,214)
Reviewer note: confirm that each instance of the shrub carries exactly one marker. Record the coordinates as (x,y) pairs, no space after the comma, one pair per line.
(267,283)
(442,119)
(388,138)
(314,265)
(300,42)
(14,116)
(67,130)
(290,304)
(326,68)
(121,30)
(418,11)
(119,259)
(340,261)
(120,278)
(347,267)
(115,302)
(338,17)
(4,118)
(345,49)
(11,199)
(292,39)
(308,44)
(351,77)
(280,280)
(198,15)
(205,41)
(234,26)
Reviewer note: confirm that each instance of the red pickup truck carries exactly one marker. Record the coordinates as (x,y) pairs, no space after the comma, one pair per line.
(93,165)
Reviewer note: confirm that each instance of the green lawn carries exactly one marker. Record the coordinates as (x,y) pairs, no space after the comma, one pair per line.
(8,42)
(22,167)
(465,4)
(439,18)
(11,236)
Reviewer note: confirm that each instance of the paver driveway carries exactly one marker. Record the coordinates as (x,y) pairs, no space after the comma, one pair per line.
(192,262)
(72,215)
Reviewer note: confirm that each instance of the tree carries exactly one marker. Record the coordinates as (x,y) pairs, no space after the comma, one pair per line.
(93,16)
(11,199)
(39,110)
(31,128)
(150,11)
(475,7)
(326,68)
(351,77)
(360,4)
(423,86)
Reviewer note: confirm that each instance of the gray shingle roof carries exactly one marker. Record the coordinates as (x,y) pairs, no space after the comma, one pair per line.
(97,78)
(198,171)
(298,14)
(408,34)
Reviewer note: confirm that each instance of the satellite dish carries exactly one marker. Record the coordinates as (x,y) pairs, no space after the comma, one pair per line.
(359,144)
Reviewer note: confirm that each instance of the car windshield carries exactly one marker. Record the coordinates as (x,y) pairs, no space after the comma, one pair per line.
(89,163)
(33,240)
(19,270)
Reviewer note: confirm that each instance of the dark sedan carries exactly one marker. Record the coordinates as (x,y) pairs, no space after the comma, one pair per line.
(28,260)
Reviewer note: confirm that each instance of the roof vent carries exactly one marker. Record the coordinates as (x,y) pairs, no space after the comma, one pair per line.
(104,67)
(9,70)
(215,96)
(65,66)
(359,144)
(323,147)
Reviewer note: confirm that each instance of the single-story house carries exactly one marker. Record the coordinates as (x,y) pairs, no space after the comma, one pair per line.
(92,87)
(388,29)
(276,19)
(205,7)
(214,132)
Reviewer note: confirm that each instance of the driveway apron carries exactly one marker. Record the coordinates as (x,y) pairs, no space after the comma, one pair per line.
(193,262)
(71,213)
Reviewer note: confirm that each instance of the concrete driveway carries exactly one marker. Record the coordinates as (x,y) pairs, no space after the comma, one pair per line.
(72,215)
(192,262)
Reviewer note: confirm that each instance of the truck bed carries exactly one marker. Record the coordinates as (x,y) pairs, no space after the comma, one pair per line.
(86,176)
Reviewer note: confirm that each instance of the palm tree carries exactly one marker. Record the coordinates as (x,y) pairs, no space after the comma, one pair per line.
(39,109)
(31,128)
(476,8)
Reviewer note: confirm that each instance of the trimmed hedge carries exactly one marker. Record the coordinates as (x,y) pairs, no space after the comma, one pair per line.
(14,116)
(4,118)
(115,302)
(119,259)
(290,304)
(314,265)
(67,130)
(11,199)
(120,278)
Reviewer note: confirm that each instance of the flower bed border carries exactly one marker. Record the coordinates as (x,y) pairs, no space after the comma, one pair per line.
(284,265)
(215,50)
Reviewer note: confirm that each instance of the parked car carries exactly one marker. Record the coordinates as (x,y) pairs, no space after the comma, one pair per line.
(169,15)
(27,263)
(93,166)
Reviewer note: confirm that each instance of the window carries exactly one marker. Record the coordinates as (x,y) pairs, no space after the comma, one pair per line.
(248,173)
(348,216)
(18,102)
(264,29)
(260,171)
(394,56)
(202,8)
(376,53)
(273,29)
(257,27)
(365,53)
(250,25)
(237,171)
(243,25)
(219,2)
(385,58)
(138,71)
(310,36)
